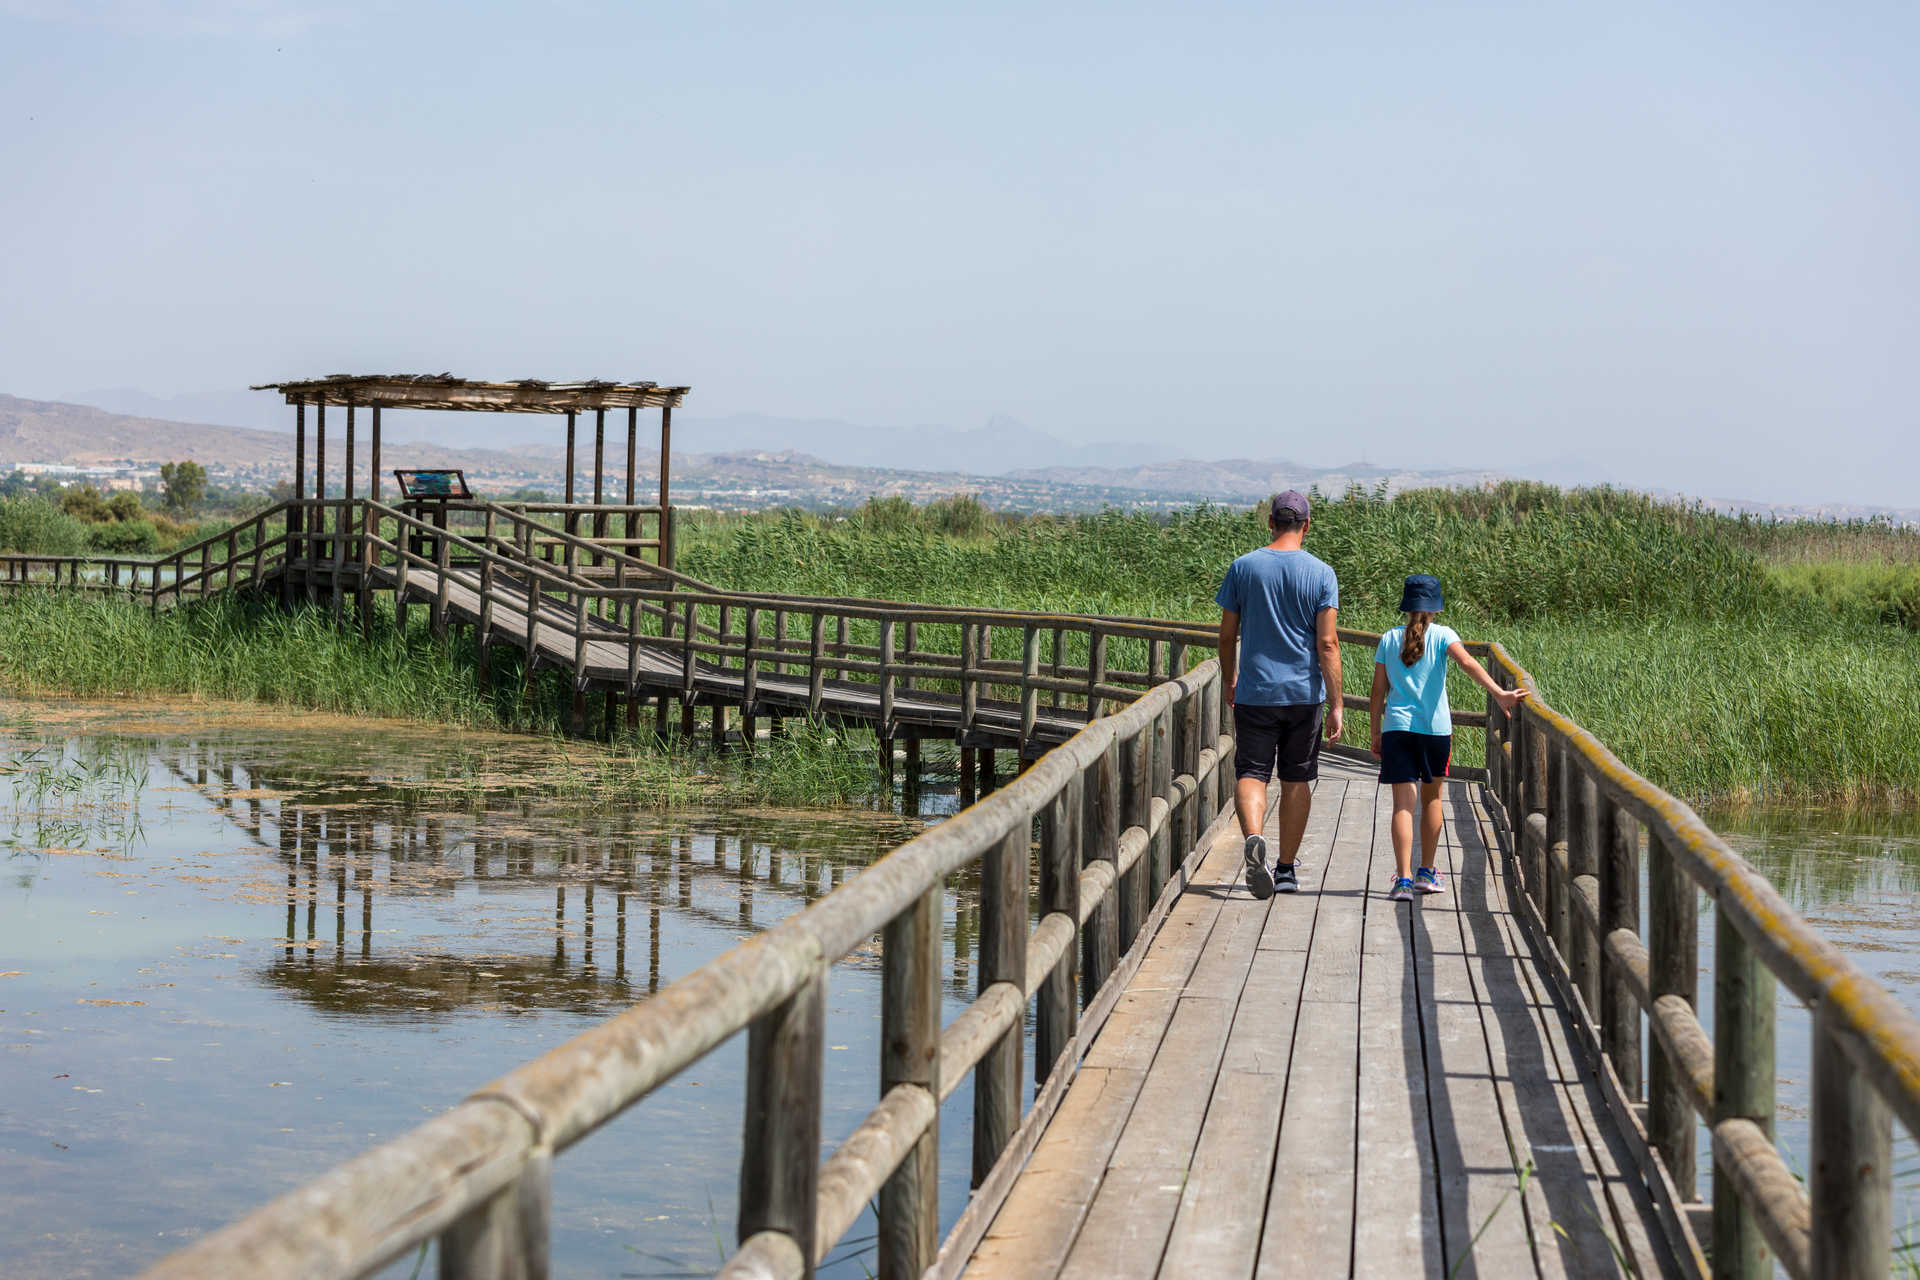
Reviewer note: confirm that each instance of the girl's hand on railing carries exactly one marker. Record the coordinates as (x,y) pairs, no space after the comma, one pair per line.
(1508,698)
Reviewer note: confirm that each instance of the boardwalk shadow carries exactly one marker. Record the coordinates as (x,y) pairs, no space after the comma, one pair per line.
(1539,1130)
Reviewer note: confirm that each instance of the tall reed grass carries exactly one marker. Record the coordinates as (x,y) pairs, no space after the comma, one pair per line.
(1664,629)
(230,648)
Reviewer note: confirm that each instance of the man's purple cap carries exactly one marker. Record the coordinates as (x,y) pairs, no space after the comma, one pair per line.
(1291,505)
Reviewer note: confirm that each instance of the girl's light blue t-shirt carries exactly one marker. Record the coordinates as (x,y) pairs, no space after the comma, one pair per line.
(1417,694)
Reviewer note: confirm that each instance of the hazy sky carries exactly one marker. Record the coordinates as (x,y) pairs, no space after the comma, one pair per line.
(1675,246)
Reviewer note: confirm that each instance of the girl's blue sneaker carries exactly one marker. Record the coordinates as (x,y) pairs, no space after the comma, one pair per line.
(1402,890)
(1427,880)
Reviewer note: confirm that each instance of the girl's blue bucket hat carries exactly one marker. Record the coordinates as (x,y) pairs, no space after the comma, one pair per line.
(1421,594)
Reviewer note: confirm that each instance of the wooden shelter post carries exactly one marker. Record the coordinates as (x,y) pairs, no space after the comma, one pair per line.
(296,515)
(599,472)
(567,488)
(373,477)
(666,511)
(627,522)
(319,525)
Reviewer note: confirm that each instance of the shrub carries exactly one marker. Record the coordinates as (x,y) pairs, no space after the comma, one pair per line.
(34,525)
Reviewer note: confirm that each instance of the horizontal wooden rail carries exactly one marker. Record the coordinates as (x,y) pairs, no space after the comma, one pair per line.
(477,1176)
(1577,817)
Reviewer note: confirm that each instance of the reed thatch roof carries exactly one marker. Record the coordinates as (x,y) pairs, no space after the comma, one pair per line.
(444,391)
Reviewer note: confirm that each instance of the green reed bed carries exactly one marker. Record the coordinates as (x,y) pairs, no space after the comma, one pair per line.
(235,649)
(1714,670)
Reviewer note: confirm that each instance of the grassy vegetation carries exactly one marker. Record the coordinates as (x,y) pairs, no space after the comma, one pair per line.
(85,523)
(229,649)
(1726,659)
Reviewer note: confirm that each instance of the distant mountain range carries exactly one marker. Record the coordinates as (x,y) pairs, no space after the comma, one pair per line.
(738,461)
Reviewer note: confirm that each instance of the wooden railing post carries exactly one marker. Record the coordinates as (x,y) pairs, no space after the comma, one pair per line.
(997,1081)
(816,665)
(1743,1003)
(1160,847)
(969,690)
(1533,800)
(886,682)
(1096,670)
(1136,810)
(1100,842)
(750,673)
(1583,868)
(1057,1016)
(507,1238)
(1558,909)
(1850,1169)
(909,1209)
(1672,968)
(1186,755)
(1496,733)
(1206,738)
(690,620)
(442,567)
(779,1181)
(1029,693)
(1617,840)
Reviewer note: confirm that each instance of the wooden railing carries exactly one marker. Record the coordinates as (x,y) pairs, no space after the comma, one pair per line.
(1577,816)
(241,554)
(1121,810)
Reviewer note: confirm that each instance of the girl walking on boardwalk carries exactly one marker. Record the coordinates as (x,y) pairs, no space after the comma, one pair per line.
(1413,728)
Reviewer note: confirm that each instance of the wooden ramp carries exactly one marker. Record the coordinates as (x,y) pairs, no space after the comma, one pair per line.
(1333,1084)
(656,666)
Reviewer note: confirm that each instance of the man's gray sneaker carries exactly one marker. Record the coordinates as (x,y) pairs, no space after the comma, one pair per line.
(1284,879)
(1259,879)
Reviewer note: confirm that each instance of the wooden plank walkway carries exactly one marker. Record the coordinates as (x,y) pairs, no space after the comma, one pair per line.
(1333,1084)
(659,667)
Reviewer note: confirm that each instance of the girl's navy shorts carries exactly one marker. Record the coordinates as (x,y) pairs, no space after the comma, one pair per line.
(1414,757)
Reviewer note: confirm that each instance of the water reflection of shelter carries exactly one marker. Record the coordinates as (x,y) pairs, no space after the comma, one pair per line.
(609,884)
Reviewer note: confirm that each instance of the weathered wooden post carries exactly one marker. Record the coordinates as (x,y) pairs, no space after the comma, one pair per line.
(1583,866)
(779,1184)
(1160,847)
(909,1209)
(816,665)
(886,689)
(506,1238)
(1672,966)
(1535,802)
(1029,692)
(1136,810)
(1617,838)
(1096,670)
(1850,1172)
(1558,909)
(969,688)
(1209,701)
(997,1081)
(1742,1089)
(1100,842)
(1057,1015)
(750,674)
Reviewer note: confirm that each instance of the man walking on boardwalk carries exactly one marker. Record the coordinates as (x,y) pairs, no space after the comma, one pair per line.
(1280,605)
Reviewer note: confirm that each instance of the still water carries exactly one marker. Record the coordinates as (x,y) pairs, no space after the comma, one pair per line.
(235,950)
(1855,877)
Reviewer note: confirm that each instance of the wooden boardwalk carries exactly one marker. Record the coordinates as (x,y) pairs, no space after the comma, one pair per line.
(657,665)
(1333,1084)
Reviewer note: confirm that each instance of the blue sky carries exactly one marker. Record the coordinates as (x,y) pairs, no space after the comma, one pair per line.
(1671,246)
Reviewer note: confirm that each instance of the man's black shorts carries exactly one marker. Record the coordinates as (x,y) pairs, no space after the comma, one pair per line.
(1283,741)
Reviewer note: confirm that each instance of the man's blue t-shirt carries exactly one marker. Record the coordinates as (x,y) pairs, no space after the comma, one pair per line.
(1279,596)
(1417,694)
